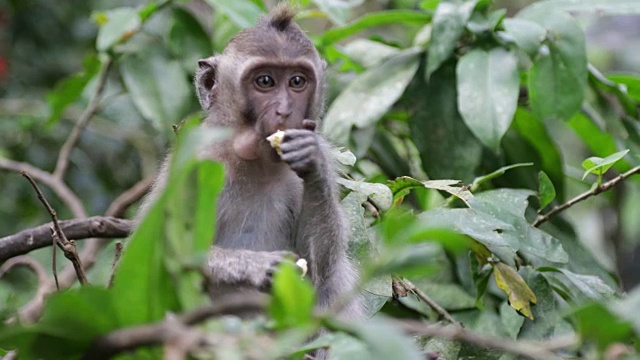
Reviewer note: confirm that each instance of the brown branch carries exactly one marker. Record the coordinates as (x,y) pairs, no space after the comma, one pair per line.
(170,329)
(114,266)
(409,286)
(65,194)
(68,247)
(535,350)
(77,229)
(595,191)
(87,114)
(120,205)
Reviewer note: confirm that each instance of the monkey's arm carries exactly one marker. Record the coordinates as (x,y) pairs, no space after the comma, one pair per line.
(321,227)
(244,267)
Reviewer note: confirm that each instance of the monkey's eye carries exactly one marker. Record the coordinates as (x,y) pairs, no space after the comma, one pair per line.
(297,82)
(265,82)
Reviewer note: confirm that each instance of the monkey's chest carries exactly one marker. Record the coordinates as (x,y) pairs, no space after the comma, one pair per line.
(261,222)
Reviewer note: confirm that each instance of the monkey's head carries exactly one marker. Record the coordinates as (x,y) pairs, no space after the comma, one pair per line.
(270,77)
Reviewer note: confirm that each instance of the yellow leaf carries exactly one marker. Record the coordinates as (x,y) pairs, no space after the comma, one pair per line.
(520,295)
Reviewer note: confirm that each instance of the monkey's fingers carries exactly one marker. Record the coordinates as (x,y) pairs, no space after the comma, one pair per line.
(309,124)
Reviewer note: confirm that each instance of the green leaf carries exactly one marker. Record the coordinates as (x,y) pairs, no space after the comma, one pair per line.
(338,11)
(511,321)
(590,286)
(368,52)
(527,35)
(509,206)
(494,174)
(596,322)
(292,298)
(631,83)
(371,20)
(545,313)
(520,295)
(533,131)
(448,25)
(210,183)
(401,185)
(546,191)
(558,78)
(379,193)
(599,166)
(370,96)
(596,7)
(70,89)
(159,88)
(383,340)
(243,13)
(488,89)
(600,142)
(187,40)
(447,147)
(71,320)
(116,25)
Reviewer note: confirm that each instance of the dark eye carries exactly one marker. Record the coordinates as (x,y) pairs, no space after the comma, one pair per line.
(297,82)
(265,82)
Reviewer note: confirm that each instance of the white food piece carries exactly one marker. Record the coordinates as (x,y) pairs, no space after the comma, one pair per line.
(302,264)
(275,140)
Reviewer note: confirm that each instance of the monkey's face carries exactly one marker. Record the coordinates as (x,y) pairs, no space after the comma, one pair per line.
(279,97)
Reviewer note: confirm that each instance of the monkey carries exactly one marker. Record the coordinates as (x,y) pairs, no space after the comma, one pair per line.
(272,207)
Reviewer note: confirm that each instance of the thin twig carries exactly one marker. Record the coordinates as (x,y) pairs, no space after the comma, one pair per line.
(70,199)
(535,350)
(55,240)
(595,191)
(63,158)
(116,259)
(408,285)
(69,247)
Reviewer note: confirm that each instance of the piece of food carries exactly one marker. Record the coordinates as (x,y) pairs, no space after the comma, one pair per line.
(302,264)
(275,140)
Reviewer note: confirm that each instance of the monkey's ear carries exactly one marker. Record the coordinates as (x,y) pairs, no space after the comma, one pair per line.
(206,81)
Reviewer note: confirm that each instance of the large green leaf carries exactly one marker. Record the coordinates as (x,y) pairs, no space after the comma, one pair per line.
(448,24)
(243,13)
(488,88)
(159,87)
(597,7)
(447,147)
(116,25)
(382,339)
(187,40)
(292,298)
(69,90)
(371,20)
(558,78)
(509,205)
(527,34)
(370,96)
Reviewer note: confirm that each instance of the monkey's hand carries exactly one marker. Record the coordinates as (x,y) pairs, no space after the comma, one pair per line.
(247,267)
(301,149)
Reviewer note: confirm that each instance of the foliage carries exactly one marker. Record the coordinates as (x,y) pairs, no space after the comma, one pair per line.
(457,115)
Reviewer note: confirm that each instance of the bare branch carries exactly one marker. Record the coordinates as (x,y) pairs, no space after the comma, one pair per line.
(69,247)
(120,205)
(89,111)
(114,266)
(167,331)
(77,229)
(595,191)
(409,286)
(64,193)
(535,350)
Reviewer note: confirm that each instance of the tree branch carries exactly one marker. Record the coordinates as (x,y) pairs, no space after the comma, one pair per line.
(172,328)
(77,229)
(68,247)
(89,111)
(409,286)
(535,350)
(595,191)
